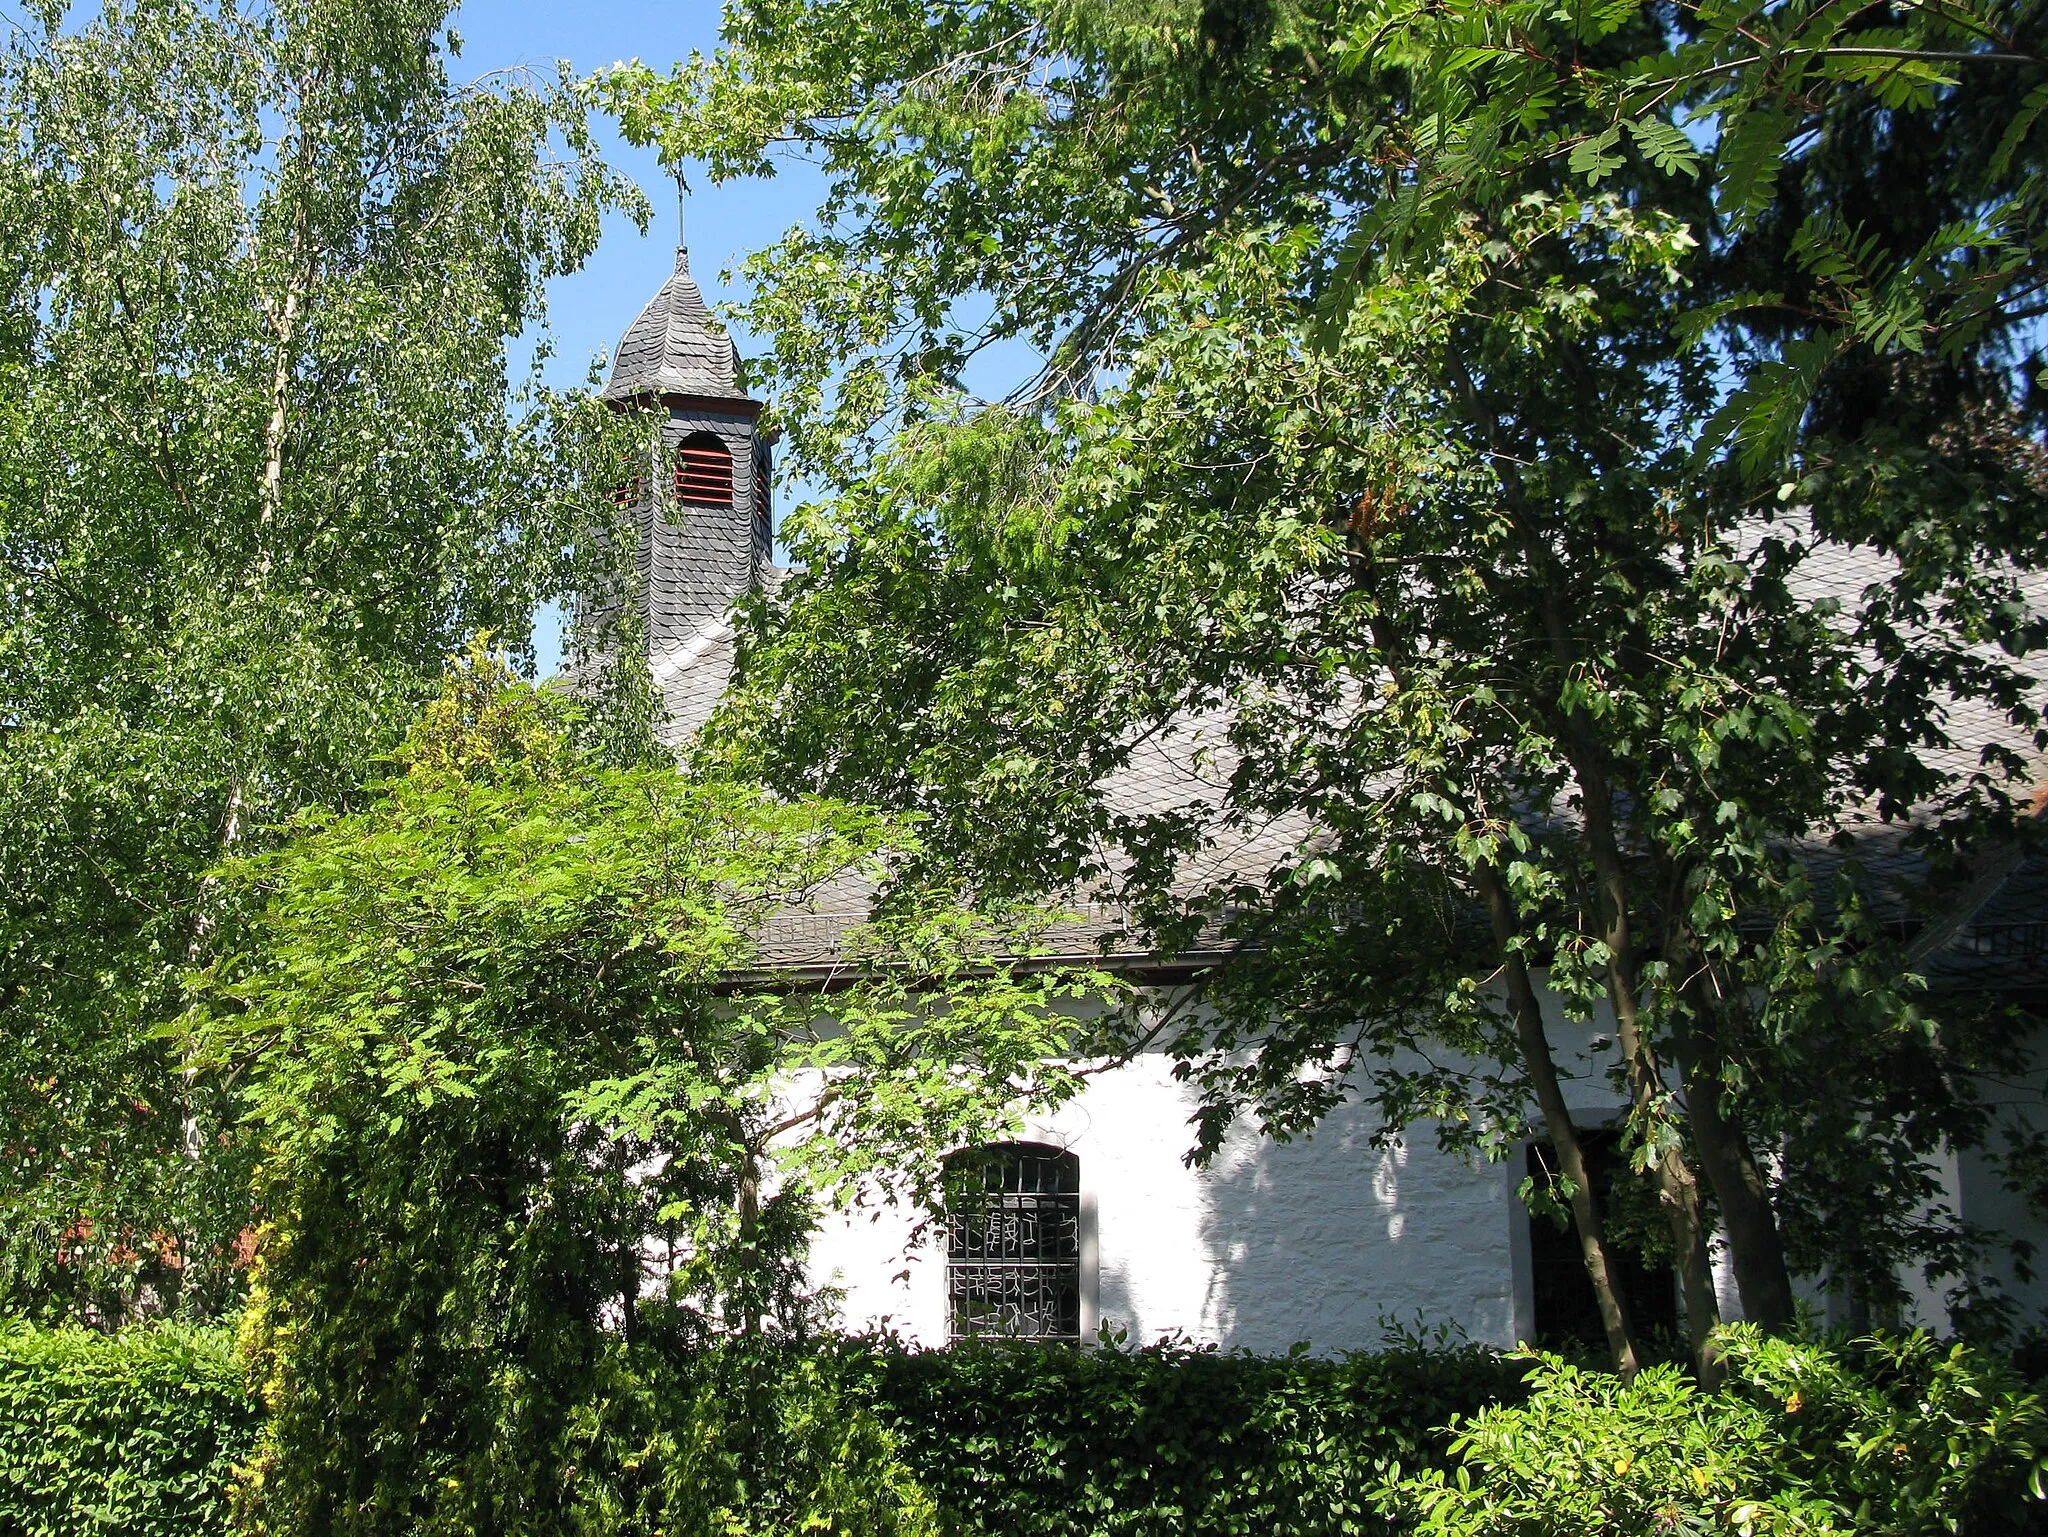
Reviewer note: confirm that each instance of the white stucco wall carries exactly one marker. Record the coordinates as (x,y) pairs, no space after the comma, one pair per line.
(1318,1240)
(1321,1240)
(1314,1240)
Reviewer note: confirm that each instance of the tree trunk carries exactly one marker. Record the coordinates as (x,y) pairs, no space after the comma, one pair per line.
(283,314)
(1761,1274)
(628,1254)
(1677,1189)
(1542,1071)
(205,922)
(1738,1182)
(1534,1046)
(750,1238)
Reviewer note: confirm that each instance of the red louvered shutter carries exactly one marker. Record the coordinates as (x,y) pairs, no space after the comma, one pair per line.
(704,472)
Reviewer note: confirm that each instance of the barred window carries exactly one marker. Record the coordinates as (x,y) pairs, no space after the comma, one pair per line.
(704,471)
(1013,1242)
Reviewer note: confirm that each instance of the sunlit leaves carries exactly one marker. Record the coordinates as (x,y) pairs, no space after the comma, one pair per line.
(526,1084)
(263,464)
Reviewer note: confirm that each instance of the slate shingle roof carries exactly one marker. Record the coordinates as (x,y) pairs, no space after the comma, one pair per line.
(675,347)
(1993,936)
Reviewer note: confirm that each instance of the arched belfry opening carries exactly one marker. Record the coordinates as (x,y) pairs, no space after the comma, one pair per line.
(703,471)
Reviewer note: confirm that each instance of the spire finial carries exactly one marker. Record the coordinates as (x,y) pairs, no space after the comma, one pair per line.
(682,212)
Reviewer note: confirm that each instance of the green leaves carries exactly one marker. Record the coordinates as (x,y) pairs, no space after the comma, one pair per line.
(1595,158)
(140,1431)
(513,1045)
(262,467)
(1750,157)
(1895,1434)
(1665,146)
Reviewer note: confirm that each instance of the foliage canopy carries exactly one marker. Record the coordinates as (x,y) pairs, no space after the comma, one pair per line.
(1528,457)
(519,1105)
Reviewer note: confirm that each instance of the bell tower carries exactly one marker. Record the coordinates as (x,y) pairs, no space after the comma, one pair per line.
(703,517)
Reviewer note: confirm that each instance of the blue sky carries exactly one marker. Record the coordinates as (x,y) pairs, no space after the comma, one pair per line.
(589,309)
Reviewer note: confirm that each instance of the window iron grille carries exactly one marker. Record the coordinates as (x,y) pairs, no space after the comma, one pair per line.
(1013,1243)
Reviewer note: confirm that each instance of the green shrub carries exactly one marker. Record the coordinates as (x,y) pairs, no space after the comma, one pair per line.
(742,1441)
(138,1433)
(873,1438)
(132,1434)
(1039,1442)
(1882,1435)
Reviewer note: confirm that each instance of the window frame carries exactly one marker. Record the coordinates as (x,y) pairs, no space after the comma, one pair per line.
(1061,1269)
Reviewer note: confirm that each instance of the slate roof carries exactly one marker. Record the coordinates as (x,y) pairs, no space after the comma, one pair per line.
(1186,770)
(690,678)
(1993,935)
(675,347)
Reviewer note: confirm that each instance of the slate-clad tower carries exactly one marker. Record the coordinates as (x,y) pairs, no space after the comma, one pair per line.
(703,515)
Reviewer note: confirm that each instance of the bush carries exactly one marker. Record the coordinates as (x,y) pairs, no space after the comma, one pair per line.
(133,1434)
(742,1441)
(138,1434)
(1172,1439)
(1891,1435)
(873,1438)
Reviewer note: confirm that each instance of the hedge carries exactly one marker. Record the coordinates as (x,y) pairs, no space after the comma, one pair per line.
(1172,1439)
(139,1432)
(133,1433)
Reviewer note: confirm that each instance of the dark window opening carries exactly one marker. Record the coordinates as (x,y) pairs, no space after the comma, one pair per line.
(628,494)
(704,471)
(1566,1313)
(1013,1242)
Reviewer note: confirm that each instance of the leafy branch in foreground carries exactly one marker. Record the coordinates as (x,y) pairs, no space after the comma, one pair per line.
(1880,1434)
(517,1107)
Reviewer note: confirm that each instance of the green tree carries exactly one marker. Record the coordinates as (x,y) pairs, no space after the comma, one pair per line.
(263,463)
(1392,503)
(527,1097)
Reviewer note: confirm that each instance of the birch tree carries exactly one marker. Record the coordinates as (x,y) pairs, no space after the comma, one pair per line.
(265,460)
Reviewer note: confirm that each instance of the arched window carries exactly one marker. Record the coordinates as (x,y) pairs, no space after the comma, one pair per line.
(1013,1242)
(704,471)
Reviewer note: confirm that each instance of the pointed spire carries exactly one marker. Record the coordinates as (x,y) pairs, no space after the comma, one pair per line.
(676,347)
